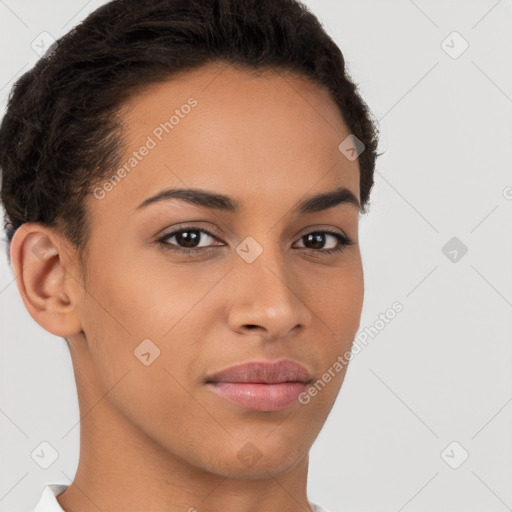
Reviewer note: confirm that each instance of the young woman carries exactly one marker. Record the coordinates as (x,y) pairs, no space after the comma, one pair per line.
(182,182)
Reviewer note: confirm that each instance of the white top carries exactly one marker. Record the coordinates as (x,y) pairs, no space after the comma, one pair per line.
(48,501)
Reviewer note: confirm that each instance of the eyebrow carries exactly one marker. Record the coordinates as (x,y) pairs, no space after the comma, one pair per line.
(206,199)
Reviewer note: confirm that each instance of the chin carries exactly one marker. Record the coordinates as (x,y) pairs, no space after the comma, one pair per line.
(252,463)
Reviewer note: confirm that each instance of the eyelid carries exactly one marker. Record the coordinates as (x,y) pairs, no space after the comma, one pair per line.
(342,238)
(162,239)
(212,232)
(323,228)
(190,226)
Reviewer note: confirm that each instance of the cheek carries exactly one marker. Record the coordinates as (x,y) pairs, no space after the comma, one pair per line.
(143,370)
(134,308)
(336,297)
(132,298)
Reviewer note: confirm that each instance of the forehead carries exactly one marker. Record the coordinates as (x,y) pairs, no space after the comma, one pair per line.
(248,134)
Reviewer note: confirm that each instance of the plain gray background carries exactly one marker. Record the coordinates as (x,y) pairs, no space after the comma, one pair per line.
(432,386)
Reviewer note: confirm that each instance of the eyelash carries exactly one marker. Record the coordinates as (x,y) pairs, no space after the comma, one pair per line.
(343,240)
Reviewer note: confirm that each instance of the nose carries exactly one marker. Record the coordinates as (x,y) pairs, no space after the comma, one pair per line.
(267,299)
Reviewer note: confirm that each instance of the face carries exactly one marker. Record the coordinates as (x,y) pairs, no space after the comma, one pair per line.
(179,290)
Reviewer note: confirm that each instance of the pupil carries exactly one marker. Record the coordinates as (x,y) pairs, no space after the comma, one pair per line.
(317,238)
(188,238)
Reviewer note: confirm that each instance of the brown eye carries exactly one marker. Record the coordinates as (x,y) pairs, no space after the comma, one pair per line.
(316,241)
(188,240)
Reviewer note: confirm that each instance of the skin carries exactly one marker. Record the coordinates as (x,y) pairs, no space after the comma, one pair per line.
(156,438)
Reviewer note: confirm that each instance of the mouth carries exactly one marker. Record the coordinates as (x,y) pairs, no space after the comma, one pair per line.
(261,385)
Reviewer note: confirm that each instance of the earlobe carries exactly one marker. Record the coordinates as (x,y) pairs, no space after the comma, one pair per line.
(48,292)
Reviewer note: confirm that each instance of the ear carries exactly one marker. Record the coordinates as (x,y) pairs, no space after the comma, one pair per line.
(47,278)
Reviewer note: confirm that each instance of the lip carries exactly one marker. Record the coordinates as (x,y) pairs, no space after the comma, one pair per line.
(261,385)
